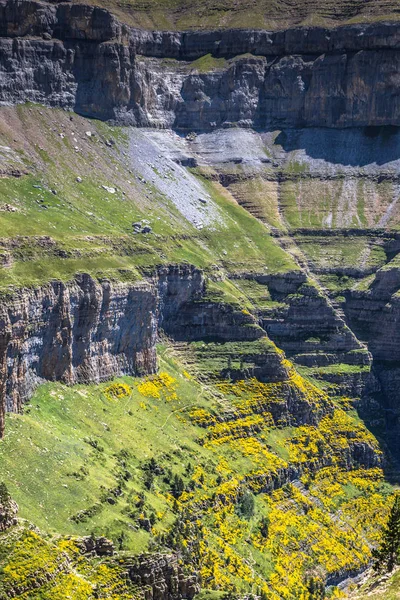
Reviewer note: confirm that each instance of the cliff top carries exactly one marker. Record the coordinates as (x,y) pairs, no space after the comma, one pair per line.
(258,14)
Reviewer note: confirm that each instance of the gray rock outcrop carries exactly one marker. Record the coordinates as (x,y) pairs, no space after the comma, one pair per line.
(77,332)
(81,58)
(8,509)
(161,577)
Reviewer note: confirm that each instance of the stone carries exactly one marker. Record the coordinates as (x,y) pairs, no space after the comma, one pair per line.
(8,509)
(163,577)
(108,189)
(8,208)
(100,546)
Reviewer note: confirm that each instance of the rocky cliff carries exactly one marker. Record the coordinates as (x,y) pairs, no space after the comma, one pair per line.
(238,295)
(8,509)
(77,332)
(82,58)
(161,577)
(85,331)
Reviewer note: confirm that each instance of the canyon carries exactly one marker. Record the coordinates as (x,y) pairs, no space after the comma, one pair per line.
(216,209)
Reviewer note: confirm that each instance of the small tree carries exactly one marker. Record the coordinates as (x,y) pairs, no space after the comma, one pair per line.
(246,505)
(177,486)
(4,494)
(388,554)
(264,526)
(315,589)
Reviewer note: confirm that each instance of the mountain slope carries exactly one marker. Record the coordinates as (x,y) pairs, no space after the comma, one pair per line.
(198,310)
(259,498)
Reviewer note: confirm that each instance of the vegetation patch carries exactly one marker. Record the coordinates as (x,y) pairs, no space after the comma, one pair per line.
(213,472)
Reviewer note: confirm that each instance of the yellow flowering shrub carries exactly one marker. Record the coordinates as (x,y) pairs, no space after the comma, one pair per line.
(118,390)
(158,386)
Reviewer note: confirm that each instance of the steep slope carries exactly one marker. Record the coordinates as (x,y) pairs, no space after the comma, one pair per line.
(250,483)
(82,58)
(246,415)
(251,225)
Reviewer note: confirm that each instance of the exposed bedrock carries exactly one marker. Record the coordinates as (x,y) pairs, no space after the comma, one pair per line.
(161,577)
(374,314)
(80,57)
(77,332)
(85,331)
(8,510)
(305,324)
(187,316)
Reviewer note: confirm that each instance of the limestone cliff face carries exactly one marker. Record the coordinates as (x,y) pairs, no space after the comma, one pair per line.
(81,58)
(8,510)
(85,331)
(77,332)
(374,314)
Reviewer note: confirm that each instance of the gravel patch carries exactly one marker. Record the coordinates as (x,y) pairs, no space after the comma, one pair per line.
(160,159)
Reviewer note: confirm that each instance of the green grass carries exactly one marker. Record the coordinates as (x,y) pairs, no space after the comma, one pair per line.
(213,358)
(89,228)
(329,204)
(246,241)
(50,444)
(336,369)
(85,446)
(208,63)
(260,197)
(339,252)
(266,14)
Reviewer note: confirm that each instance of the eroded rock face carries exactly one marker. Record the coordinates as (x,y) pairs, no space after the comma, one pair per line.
(374,315)
(85,331)
(100,546)
(161,578)
(80,57)
(8,509)
(77,332)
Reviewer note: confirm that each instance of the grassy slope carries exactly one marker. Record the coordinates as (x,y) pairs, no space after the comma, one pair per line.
(269,14)
(77,458)
(82,446)
(90,228)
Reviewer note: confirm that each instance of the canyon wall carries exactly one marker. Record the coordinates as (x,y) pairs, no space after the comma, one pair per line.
(79,57)
(82,331)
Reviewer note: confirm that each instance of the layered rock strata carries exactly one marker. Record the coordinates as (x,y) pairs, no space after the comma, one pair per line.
(77,332)
(79,57)
(85,331)
(374,314)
